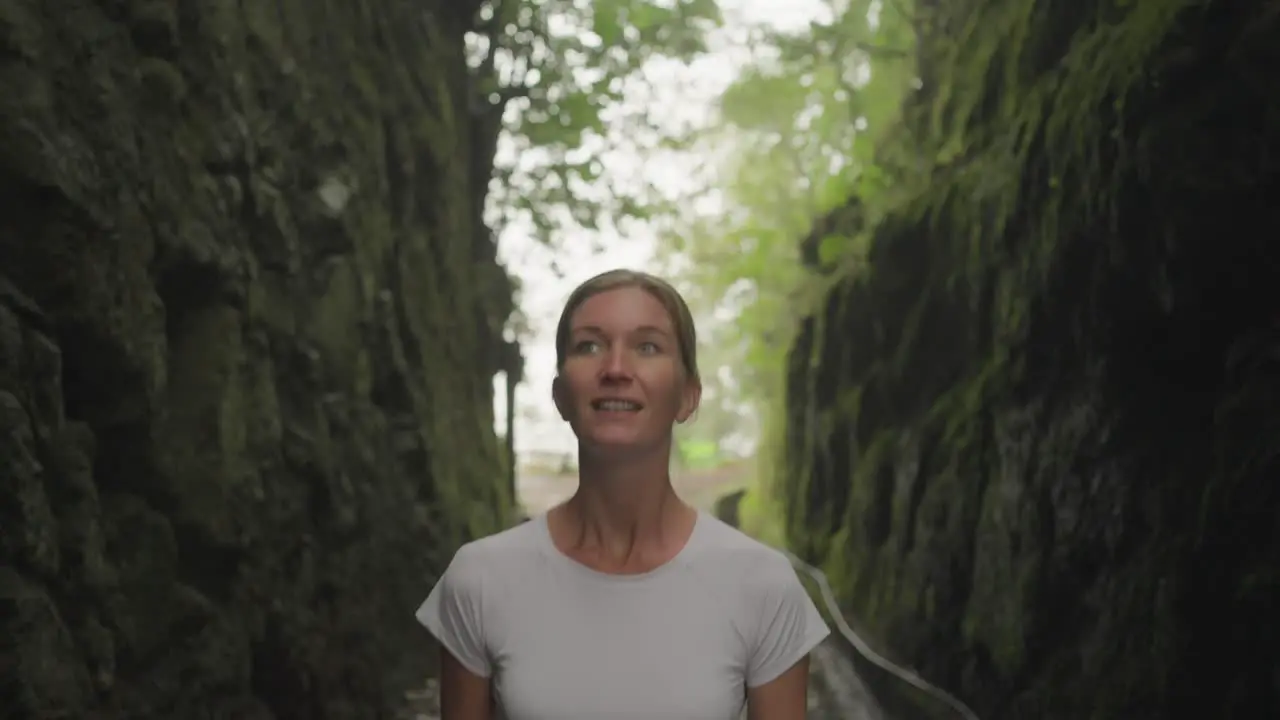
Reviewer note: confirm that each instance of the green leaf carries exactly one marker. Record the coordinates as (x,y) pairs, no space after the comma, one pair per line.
(830,248)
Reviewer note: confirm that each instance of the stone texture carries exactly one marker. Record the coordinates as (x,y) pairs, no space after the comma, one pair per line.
(1035,441)
(247,340)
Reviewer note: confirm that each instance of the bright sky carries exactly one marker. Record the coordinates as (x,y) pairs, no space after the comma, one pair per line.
(686,93)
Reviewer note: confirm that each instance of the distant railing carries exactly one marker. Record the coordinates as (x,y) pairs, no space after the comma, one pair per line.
(863,649)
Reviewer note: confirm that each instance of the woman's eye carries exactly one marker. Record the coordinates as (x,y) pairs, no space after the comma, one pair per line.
(648,347)
(585,346)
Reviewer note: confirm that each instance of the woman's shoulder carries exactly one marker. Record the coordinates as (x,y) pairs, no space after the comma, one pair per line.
(512,547)
(744,561)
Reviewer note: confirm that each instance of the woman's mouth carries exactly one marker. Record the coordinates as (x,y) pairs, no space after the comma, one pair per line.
(616,405)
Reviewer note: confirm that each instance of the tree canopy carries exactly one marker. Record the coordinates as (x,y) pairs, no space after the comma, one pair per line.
(553,72)
(794,140)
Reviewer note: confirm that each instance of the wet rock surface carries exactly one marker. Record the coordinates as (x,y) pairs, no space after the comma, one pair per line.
(245,312)
(1033,439)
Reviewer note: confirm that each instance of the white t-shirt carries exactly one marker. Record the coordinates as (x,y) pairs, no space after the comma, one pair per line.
(561,641)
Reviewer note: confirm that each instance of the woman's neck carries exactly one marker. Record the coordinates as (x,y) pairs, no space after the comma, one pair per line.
(622,507)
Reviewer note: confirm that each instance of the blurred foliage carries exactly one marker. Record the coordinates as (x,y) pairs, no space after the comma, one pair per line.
(797,138)
(553,73)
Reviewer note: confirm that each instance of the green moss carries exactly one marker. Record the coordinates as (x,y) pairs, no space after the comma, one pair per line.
(982,154)
(1019,126)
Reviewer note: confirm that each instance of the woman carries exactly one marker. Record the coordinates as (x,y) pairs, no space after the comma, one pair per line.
(623,602)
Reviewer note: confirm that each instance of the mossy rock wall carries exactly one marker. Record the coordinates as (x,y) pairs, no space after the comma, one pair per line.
(1034,439)
(247,332)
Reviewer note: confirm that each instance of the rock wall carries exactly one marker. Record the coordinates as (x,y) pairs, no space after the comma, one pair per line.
(1034,440)
(248,328)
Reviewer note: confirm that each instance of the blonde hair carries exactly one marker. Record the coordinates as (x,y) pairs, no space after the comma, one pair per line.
(662,291)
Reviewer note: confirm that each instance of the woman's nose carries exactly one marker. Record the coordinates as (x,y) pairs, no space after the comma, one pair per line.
(617,364)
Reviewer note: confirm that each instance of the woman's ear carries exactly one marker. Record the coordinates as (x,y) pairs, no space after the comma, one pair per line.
(690,397)
(558,396)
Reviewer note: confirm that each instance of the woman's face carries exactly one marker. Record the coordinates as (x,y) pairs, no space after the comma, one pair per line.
(622,383)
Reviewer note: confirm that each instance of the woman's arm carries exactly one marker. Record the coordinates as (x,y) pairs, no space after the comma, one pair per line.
(787,627)
(786,697)
(454,613)
(463,694)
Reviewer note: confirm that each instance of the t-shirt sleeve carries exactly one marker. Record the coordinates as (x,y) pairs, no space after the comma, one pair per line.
(789,625)
(453,611)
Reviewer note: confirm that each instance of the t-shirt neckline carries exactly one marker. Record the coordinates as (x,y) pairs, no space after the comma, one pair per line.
(558,557)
